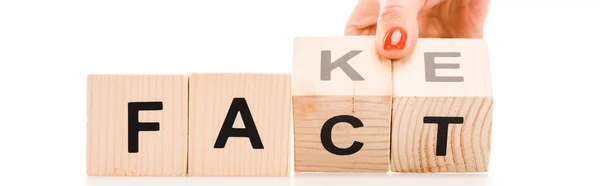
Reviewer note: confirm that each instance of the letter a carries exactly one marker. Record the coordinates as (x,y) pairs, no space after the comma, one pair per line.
(239,105)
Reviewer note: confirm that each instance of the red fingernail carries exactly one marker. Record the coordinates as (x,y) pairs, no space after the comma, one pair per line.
(394,39)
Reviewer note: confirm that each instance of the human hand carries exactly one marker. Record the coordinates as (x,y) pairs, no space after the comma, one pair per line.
(398,24)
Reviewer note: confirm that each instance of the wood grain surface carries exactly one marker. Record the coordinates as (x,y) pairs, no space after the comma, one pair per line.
(311,112)
(161,153)
(268,98)
(414,143)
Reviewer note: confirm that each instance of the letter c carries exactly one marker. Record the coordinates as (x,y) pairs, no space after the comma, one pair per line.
(326,135)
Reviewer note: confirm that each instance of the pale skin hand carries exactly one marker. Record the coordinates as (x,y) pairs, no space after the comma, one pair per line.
(401,22)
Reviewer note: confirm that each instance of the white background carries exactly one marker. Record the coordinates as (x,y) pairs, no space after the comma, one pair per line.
(543,55)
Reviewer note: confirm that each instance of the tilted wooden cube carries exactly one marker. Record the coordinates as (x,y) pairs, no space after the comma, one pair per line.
(239,124)
(137,125)
(341,93)
(442,108)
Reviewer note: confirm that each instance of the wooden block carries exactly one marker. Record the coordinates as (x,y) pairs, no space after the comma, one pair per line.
(155,105)
(442,108)
(239,124)
(342,94)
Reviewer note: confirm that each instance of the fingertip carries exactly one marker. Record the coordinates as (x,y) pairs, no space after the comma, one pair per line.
(395,43)
(348,31)
(397,28)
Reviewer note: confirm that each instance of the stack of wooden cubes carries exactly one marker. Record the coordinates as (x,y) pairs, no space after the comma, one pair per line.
(353,111)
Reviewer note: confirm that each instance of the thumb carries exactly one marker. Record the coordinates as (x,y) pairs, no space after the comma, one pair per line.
(397,29)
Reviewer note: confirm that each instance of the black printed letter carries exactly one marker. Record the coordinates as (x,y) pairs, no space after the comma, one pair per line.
(442,135)
(134,125)
(227,130)
(326,135)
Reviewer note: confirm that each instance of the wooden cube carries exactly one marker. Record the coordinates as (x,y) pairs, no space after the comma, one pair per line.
(137,125)
(442,107)
(239,124)
(342,94)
